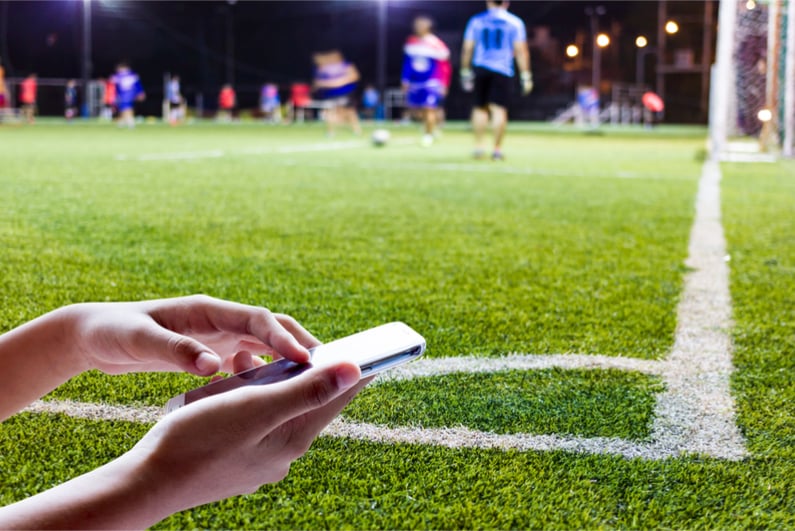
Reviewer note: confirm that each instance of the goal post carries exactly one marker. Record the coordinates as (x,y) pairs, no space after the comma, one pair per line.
(752,93)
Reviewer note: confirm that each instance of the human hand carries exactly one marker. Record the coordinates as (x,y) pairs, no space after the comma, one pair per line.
(196,334)
(234,442)
(527,83)
(467,79)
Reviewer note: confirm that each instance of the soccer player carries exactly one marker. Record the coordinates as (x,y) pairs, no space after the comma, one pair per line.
(227,100)
(3,91)
(426,74)
(270,104)
(70,100)
(492,40)
(128,92)
(27,97)
(336,81)
(175,101)
(109,100)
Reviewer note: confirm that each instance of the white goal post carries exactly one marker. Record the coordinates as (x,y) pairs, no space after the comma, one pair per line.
(753,79)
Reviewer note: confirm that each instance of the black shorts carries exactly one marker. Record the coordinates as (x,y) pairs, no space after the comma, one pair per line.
(492,88)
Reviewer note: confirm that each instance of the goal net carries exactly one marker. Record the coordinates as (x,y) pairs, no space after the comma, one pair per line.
(753,80)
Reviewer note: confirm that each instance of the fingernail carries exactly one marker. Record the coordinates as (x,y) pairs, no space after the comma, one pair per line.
(207,362)
(346,377)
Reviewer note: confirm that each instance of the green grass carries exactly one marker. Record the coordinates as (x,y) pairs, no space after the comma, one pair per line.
(576,402)
(575,244)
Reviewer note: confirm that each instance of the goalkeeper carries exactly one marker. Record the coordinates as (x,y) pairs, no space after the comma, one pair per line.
(492,41)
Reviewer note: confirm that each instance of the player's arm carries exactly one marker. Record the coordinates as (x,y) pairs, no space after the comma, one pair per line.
(467,76)
(522,54)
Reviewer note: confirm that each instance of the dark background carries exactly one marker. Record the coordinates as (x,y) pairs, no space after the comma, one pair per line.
(273,42)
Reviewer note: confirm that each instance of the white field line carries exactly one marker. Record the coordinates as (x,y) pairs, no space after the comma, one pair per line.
(694,415)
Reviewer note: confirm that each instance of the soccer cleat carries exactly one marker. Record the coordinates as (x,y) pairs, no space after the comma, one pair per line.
(427,140)
(478,154)
(497,155)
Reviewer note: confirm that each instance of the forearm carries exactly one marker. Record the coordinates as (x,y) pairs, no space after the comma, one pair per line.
(523,58)
(466,55)
(36,358)
(119,495)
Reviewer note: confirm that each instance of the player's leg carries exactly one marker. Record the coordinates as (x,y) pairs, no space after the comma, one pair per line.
(499,123)
(480,111)
(353,118)
(499,98)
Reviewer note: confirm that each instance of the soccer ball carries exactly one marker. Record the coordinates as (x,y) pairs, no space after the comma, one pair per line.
(380,137)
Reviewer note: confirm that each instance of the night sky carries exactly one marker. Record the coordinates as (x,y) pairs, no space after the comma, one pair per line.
(273,41)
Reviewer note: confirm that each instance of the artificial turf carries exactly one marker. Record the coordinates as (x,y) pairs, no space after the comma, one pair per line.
(575,244)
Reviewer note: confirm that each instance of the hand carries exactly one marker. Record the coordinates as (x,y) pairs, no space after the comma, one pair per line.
(232,443)
(220,446)
(197,334)
(527,83)
(467,79)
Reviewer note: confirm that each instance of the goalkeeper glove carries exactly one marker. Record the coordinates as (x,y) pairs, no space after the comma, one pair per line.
(467,79)
(527,83)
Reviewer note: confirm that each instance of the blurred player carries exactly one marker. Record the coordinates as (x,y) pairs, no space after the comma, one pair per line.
(492,40)
(27,97)
(70,100)
(371,99)
(426,74)
(3,91)
(270,104)
(335,83)
(108,99)
(128,92)
(175,101)
(227,101)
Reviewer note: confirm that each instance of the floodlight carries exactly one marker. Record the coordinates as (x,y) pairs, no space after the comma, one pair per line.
(572,51)
(671,27)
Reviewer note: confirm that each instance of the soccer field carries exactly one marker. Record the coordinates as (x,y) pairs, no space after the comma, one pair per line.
(553,291)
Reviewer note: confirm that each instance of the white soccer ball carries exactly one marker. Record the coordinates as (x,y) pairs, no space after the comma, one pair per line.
(381,137)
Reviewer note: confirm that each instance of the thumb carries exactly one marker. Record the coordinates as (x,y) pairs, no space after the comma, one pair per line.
(308,392)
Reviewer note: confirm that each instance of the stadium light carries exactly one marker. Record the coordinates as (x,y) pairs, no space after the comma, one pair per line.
(641,41)
(602,40)
(671,27)
(750,5)
(572,51)
(381,59)
(86,70)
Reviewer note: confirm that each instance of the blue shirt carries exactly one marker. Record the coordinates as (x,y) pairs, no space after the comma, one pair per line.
(495,32)
(128,87)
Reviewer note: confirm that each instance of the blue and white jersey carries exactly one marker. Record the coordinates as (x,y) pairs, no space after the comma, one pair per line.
(495,32)
(128,87)
(426,64)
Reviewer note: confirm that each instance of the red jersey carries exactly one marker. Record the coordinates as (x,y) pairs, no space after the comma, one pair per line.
(226,99)
(27,93)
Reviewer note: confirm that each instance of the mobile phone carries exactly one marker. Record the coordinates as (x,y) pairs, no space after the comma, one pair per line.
(374,350)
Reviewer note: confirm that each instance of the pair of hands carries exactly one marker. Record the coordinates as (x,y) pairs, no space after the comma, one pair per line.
(468,81)
(227,444)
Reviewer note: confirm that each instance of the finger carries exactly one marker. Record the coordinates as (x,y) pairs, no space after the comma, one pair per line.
(242,361)
(295,437)
(181,351)
(299,332)
(279,403)
(260,323)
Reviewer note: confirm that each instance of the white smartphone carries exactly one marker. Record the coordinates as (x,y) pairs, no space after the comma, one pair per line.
(374,350)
